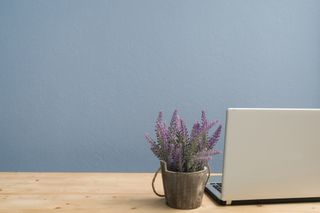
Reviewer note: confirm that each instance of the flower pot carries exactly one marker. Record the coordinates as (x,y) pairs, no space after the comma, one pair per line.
(183,190)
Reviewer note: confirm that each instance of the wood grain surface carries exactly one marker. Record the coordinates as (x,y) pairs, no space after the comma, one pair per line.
(105,192)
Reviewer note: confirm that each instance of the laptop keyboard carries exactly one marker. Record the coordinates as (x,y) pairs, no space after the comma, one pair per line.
(217,186)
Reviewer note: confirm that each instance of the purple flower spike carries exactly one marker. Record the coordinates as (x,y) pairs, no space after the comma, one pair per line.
(160,118)
(204,121)
(154,147)
(195,130)
(184,130)
(215,137)
(175,124)
(149,139)
(174,118)
(209,126)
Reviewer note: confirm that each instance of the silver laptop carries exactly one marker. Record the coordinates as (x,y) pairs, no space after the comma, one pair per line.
(270,156)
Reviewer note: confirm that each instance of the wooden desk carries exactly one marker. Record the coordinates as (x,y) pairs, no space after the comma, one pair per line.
(104,192)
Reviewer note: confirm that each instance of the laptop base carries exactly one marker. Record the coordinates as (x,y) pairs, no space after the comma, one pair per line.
(261,201)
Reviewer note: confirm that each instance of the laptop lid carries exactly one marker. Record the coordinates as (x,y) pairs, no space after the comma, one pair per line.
(271,154)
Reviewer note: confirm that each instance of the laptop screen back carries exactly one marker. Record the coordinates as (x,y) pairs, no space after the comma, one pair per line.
(271,153)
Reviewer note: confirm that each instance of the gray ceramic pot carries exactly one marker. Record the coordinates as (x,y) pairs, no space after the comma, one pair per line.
(183,190)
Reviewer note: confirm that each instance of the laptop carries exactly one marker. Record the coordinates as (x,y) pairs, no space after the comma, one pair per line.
(270,156)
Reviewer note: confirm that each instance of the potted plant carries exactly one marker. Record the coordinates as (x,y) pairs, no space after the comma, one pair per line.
(184,159)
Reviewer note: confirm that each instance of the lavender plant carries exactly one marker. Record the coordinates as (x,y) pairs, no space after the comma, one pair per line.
(183,152)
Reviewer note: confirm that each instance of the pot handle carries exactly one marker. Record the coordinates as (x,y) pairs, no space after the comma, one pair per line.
(209,173)
(153,180)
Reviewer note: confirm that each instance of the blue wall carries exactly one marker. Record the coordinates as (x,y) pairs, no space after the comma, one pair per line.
(82,81)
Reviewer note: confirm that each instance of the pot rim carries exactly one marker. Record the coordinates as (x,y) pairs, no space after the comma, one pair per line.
(196,172)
